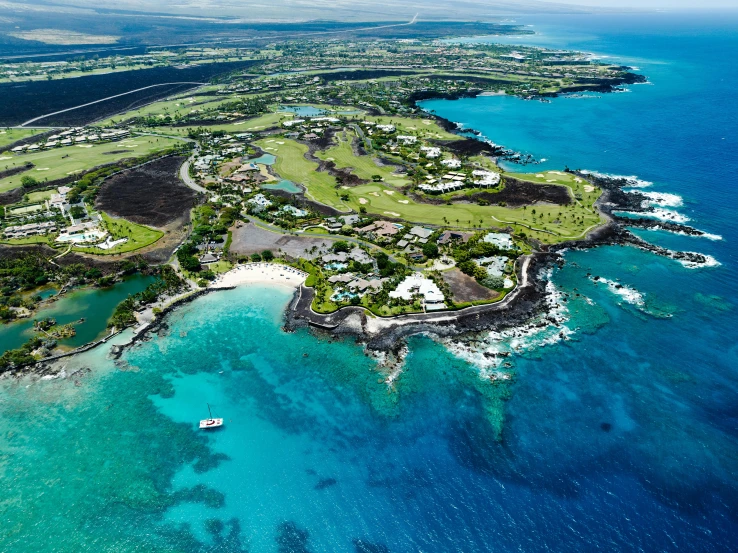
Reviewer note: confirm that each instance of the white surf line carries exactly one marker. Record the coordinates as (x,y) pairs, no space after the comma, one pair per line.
(104,100)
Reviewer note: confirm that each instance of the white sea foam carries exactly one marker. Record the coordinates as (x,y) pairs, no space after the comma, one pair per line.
(663,199)
(490,351)
(660,214)
(709,262)
(628,294)
(632,181)
(709,236)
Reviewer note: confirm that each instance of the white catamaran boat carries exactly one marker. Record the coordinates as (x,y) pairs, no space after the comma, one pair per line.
(211,422)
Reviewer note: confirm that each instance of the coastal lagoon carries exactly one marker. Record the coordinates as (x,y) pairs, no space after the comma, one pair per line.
(285,185)
(94,305)
(618,432)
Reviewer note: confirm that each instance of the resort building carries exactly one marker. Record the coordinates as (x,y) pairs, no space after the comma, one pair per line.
(260,202)
(32,229)
(495,265)
(499,239)
(417,285)
(431,152)
(407,140)
(421,232)
(382,229)
(485,179)
(453,236)
(295,212)
(89,231)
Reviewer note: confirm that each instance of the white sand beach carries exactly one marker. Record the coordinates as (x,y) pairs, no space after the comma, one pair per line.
(261,273)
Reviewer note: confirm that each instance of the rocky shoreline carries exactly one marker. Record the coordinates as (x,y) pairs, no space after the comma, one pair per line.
(528,302)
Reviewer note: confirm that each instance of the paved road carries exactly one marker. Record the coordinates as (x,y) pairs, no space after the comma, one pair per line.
(105,100)
(184,174)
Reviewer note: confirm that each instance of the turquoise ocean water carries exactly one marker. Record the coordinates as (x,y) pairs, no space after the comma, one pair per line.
(622,438)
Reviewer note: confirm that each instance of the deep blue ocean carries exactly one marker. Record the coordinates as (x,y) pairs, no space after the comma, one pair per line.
(623,437)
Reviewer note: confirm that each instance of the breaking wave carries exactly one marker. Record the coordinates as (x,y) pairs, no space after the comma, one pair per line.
(631,180)
(490,351)
(663,199)
(626,293)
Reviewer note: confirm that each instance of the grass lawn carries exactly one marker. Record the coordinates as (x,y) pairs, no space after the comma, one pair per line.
(574,220)
(545,222)
(139,236)
(181,105)
(40,196)
(220,266)
(363,166)
(257,124)
(583,191)
(292,165)
(26,209)
(27,240)
(423,128)
(8,136)
(58,163)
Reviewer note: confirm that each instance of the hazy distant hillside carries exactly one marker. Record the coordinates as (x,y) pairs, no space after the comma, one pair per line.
(47,27)
(301,10)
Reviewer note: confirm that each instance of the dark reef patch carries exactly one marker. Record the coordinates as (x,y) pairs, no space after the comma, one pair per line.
(292,539)
(324,483)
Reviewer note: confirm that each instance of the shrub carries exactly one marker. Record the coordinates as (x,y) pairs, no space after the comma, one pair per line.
(267,255)
(467,267)
(430,250)
(341,246)
(494,282)
(28,182)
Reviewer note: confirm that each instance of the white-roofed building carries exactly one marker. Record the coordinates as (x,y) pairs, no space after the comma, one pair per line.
(407,139)
(499,239)
(485,179)
(418,285)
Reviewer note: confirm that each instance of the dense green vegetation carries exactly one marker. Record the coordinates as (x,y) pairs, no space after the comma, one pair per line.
(168,282)
(20,356)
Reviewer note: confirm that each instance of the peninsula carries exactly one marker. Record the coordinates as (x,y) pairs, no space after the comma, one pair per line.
(316,158)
